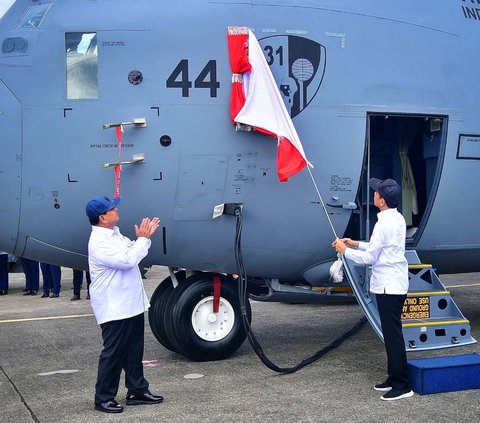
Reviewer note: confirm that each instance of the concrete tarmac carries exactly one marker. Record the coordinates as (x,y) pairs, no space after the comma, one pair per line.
(49,350)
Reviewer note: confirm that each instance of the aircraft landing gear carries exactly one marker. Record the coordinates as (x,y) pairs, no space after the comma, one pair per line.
(189,326)
(156,311)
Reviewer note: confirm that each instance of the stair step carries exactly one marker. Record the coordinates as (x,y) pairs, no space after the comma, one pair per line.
(424,293)
(415,266)
(419,266)
(431,319)
(434,322)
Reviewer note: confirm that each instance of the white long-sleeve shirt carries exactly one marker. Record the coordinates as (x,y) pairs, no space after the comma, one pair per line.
(116,291)
(386,253)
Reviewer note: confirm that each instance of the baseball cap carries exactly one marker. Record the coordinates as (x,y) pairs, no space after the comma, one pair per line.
(100,205)
(388,189)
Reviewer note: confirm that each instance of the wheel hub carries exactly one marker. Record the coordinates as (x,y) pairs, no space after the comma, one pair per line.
(212,326)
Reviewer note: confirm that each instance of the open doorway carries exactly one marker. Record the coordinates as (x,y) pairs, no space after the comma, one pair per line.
(409,149)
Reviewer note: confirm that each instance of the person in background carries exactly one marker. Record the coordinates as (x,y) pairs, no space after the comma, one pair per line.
(3,273)
(32,276)
(52,275)
(389,280)
(119,301)
(77,284)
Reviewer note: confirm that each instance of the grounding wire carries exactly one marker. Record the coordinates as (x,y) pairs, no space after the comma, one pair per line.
(242,294)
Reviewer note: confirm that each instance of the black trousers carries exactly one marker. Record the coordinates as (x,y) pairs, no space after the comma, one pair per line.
(32,274)
(390,310)
(4,272)
(123,343)
(78,281)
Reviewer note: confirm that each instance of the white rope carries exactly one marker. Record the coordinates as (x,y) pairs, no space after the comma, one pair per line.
(321,201)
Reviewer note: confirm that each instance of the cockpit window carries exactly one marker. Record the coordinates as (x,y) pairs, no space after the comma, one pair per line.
(33,17)
(82,65)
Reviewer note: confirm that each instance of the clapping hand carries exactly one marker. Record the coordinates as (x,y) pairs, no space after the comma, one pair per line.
(147,227)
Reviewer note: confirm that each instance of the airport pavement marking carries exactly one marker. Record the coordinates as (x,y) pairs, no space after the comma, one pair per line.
(60,372)
(463,286)
(193,376)
(150,363)
(32,319)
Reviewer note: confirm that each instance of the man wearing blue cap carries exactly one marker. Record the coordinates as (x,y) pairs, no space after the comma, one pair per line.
(119,301)
(389,280)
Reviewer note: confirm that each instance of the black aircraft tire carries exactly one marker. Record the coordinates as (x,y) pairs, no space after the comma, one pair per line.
(158,302)
(167,317)
(190,333)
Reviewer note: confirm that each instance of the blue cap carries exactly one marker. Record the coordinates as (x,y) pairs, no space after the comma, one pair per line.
(100,205)
(388,189)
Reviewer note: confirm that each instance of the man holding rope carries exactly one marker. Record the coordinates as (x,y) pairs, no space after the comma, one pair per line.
(389,280)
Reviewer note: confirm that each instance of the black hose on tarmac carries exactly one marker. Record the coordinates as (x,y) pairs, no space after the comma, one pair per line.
(243,297)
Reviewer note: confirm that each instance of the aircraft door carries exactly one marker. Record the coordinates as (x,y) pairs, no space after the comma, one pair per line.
(409,149)
(10,167)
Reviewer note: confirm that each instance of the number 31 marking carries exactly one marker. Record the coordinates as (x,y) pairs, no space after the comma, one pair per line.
(207,78)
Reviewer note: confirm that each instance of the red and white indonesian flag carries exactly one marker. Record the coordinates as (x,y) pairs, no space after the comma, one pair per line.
(260,104)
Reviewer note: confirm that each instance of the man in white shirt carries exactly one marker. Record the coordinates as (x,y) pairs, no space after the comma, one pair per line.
(389,280)
(118,301)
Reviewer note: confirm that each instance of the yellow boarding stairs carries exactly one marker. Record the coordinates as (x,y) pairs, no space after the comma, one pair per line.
(431,319)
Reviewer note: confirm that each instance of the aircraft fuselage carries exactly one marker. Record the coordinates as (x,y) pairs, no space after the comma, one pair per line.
(69,67)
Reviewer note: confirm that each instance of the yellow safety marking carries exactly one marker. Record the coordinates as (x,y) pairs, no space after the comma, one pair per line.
(419,266)
(423,293)
(415,266)
(437,323)
(32,319)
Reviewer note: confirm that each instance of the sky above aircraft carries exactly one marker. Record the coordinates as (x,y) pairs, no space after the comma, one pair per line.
(4,6)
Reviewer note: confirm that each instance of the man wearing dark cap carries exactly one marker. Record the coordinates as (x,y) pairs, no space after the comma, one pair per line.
(389,280)
(119,301)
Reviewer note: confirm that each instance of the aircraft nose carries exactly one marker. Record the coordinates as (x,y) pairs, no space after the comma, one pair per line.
(10,167)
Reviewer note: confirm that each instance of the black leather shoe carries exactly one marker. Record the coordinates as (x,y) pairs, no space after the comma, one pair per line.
(75,298)
(45,295)
(109,407)
(33,292)
(3,292)
(145,398)
(27,292)
(54,295)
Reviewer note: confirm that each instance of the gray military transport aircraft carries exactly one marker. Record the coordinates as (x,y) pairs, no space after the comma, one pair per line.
(375,89)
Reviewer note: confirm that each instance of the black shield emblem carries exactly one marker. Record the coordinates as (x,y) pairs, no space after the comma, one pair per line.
(298,65)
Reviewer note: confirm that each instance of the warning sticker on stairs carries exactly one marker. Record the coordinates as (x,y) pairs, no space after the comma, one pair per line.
(416,308)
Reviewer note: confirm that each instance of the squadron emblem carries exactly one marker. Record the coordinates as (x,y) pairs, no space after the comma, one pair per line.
(298,65)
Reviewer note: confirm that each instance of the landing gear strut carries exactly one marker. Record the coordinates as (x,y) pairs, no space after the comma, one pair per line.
(183,320)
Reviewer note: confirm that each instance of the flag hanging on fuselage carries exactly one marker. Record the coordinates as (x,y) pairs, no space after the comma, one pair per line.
(256,101)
